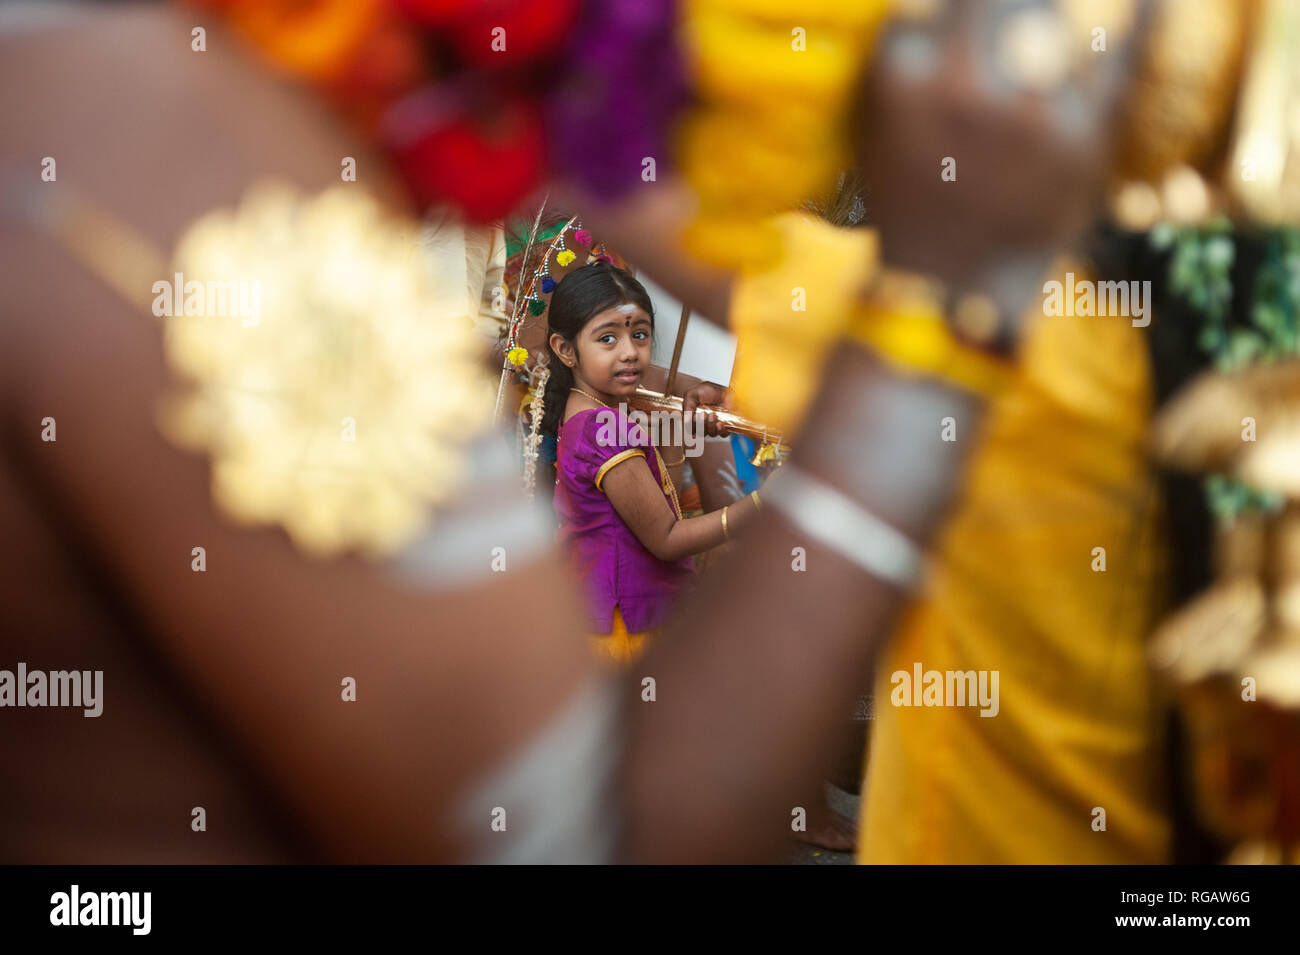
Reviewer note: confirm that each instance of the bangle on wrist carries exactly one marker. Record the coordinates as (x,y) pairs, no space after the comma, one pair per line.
(903,320)
(725,535)
(673,464)
(835,521)
(758,505)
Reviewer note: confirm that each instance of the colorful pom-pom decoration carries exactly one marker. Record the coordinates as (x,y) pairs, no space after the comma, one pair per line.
(517,355)
(548,284)
(536,306)
(605,258)
(582,237)
(565,257)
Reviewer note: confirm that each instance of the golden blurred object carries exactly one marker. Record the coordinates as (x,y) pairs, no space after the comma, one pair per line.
(1185,196)
(1233,655)
(1259,852)
(341,411)
(1115,16)
(1273,462)
(1213,634)
(1184,94)
(1218,99)
(903,319)
(1204,427)
(1276,671)
(1179,111)
(976,317)
(1136,206)
(1263,173)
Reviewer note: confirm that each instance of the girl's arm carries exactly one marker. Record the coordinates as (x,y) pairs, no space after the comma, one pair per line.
(640,502)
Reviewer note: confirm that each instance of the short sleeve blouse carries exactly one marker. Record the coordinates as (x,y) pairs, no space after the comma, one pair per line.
(615,566)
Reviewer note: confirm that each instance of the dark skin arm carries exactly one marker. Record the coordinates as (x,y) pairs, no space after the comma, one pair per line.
(262,639)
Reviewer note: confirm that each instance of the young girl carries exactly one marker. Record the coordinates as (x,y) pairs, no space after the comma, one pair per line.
(619,516)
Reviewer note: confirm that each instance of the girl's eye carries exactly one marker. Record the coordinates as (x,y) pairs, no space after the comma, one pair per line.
(606,339)
(640,334)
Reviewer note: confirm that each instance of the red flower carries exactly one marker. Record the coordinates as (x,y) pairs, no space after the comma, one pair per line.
(388,65)
(486,168)
(527,29)
(438,12)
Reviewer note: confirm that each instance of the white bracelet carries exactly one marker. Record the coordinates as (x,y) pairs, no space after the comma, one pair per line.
(832,519)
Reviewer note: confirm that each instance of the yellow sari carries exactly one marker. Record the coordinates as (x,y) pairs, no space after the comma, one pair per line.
(1015,588)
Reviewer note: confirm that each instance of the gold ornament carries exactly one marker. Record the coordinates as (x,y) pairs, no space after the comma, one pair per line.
(1201,427)
(340,413)
(1233,653)
(1263,174)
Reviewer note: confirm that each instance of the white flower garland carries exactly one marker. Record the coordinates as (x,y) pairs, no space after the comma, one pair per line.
(534,439)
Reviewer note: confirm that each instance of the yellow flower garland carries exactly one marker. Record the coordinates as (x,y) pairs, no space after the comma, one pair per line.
(774,88)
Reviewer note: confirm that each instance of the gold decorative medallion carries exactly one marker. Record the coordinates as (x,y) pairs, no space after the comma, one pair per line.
(333,393)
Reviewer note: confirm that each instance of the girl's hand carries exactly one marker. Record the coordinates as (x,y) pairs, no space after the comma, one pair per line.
(708,393)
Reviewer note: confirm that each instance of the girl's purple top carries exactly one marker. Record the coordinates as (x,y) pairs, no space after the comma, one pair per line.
(616,567)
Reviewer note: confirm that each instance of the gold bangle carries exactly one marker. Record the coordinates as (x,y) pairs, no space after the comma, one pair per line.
(673,464)
(758,505)
(903,320)
(919,341)
(725,535)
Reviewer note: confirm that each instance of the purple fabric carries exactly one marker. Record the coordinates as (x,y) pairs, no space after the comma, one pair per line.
(615,566)
(623,89)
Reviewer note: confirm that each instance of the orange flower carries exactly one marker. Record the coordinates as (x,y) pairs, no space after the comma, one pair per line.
(386,66)
(312,38)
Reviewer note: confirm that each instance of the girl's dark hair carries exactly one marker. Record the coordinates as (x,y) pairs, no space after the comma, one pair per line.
(584,294)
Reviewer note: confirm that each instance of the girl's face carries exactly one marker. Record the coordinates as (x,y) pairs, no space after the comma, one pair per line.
(614,350)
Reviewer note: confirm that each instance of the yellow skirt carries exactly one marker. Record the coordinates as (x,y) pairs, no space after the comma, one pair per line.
(619,648)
